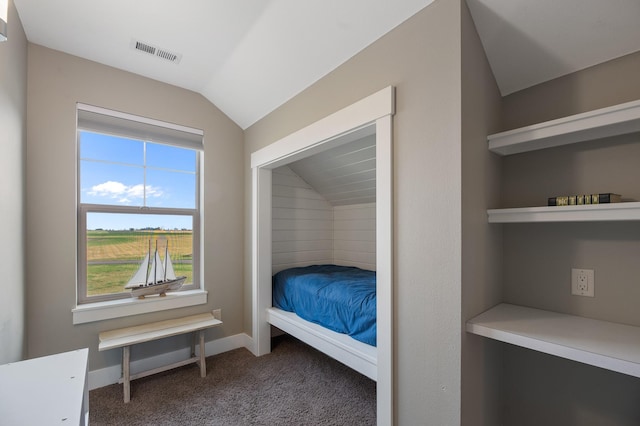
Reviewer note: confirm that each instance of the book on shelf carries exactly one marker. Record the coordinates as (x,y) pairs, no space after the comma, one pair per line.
(577,200)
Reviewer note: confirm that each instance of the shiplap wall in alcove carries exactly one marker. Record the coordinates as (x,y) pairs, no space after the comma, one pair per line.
(302,232)
(308,230)
(354,235)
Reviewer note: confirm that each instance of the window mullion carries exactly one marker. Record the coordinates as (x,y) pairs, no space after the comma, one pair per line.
(144,174)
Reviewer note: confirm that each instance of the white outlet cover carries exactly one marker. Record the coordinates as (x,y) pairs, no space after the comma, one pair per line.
(582,282)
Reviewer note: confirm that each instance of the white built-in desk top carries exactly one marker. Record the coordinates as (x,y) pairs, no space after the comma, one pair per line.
(603,344)
(50,390)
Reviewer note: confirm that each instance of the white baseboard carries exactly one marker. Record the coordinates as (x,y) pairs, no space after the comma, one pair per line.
(110,375)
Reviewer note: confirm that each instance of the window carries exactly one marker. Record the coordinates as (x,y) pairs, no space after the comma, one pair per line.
(138,192)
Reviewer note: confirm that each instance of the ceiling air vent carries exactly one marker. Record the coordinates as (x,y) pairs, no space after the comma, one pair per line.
(156,51)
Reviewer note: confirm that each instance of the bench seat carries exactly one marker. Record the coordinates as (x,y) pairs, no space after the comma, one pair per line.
(126,337)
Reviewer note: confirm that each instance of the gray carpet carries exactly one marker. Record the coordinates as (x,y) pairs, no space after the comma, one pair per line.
(294,385)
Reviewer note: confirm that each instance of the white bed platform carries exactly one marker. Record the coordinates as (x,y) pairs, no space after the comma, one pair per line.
(354,354)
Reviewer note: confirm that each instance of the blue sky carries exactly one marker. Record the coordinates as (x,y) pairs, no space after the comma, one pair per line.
(113,171)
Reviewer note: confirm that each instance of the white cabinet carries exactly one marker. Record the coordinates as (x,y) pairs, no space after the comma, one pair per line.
(608,345)
(46,391)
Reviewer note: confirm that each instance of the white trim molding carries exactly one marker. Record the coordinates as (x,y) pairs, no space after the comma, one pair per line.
(349,124)
(99,311)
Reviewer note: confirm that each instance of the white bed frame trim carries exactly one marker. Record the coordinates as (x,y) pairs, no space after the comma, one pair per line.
(354,354)
(371,115)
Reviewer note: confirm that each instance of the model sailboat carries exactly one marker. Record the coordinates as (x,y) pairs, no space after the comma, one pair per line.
(155,276)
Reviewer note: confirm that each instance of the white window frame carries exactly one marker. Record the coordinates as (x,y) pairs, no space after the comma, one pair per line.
(100,120)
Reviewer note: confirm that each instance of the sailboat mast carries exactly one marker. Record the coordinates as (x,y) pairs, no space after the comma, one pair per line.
(155,267)
(166,256)
(148,269)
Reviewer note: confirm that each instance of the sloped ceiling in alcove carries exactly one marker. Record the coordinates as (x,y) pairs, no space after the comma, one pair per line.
(344,175)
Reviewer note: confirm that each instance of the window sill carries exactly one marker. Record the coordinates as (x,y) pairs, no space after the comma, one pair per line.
(124,307)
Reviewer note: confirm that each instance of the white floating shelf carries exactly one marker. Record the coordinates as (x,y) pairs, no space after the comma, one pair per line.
(612,121)
(602,344)
(583,213)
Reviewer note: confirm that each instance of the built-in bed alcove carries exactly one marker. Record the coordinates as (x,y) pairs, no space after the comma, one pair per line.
(323,208)
(359,133)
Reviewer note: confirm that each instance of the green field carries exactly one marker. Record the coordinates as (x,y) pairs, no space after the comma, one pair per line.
(114,256)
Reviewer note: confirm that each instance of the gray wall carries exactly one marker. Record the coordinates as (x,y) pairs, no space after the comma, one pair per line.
(600,86)
(56,81)
(538,258)
(481,242)
(13,114)
(421,58)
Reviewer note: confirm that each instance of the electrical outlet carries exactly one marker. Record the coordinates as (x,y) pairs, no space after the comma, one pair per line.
(582,282)
(217,314)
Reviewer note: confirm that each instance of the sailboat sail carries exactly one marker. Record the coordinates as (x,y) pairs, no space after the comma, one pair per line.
(156,274)
(140,277)
(169,273)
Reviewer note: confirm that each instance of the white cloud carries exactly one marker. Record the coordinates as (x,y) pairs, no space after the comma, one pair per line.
(107,189)
(122,193)
(136,191)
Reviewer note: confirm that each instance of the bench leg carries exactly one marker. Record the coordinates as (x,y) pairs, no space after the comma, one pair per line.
(203,362)
(126,373)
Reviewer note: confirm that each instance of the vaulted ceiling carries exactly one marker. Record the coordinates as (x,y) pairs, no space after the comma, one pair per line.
(529,42)
(249,57)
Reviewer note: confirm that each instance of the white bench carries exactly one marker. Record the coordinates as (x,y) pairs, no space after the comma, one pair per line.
(126,337)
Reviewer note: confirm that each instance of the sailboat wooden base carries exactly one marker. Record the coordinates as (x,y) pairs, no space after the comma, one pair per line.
(142,296)
(161,295)
(160,288)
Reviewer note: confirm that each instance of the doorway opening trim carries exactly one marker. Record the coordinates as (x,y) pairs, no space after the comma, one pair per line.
(371,115)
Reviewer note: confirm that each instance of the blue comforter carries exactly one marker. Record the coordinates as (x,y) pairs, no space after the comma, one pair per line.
(340,298)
